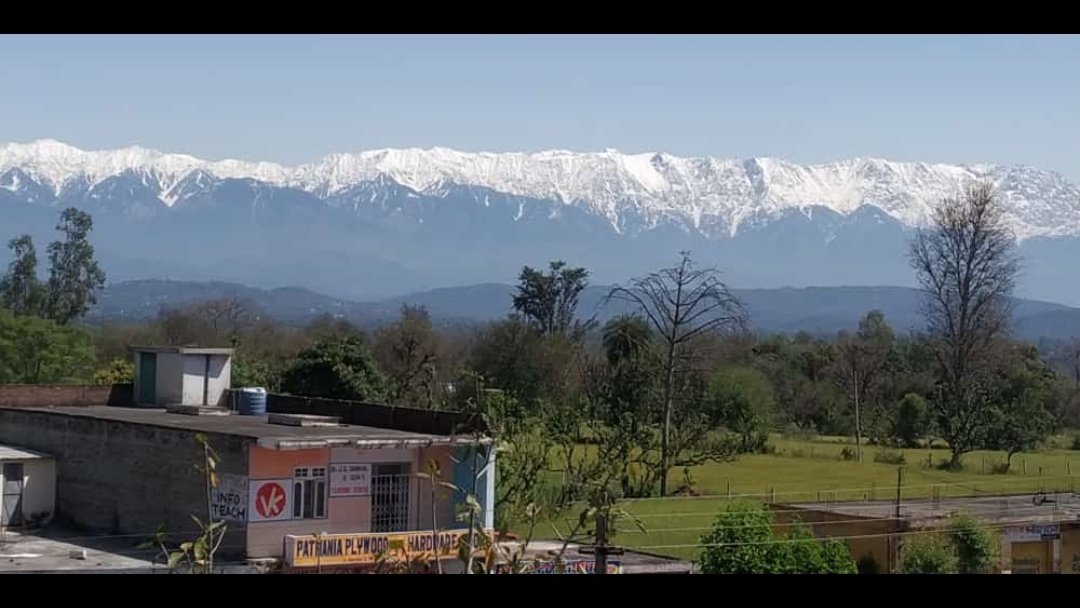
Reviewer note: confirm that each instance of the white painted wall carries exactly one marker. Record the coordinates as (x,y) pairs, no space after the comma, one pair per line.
(194,370)
(39,487)
(489,490)
(220,377)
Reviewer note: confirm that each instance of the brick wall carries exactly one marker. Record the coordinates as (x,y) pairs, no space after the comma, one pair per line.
(115,477)
(72,395)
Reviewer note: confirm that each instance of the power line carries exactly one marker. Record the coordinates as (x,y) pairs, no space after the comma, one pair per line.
(999,525)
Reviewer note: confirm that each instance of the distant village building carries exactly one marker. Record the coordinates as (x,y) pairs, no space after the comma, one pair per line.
(1039,533)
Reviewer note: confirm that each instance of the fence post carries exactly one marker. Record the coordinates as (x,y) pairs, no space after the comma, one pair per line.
(729,489)
(1025,465)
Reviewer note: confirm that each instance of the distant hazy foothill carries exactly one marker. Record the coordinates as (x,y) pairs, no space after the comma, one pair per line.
(380,223)
(818,310)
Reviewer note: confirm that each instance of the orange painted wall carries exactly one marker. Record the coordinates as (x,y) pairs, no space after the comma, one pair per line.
(1070,549)
(274,464)
(345,514)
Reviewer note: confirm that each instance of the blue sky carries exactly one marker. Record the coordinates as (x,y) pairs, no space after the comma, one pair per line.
(805,98)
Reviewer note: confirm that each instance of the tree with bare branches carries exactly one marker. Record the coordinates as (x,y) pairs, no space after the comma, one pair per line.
(681,303)
(966,265)
(860,361)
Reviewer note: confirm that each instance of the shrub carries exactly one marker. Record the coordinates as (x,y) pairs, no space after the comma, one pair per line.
(928,555)
(975,547)
(741,542)
(1075,443)
(889,457)
(847,453)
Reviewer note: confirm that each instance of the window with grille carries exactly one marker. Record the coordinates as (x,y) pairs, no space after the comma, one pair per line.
(390,498)
(309,493)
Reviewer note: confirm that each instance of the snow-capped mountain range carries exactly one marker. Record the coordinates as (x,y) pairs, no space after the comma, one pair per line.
(380,222)
(630,191)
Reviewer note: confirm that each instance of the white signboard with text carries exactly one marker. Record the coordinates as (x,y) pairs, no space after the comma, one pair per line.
(1033,532)
(350,479)
(229,500)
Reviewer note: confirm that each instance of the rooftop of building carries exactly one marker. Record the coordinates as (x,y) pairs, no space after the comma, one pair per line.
(1021,508)
(59,551)
(10,452)
(182,350)
(274,436)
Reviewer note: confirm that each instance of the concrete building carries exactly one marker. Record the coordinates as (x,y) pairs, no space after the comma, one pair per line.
(1039,534)
(27,487)
(168,375)
(313,483)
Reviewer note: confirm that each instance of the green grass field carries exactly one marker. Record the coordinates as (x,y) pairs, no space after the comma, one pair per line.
(813,471)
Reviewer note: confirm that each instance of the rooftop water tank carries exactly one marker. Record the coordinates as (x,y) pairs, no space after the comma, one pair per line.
(252,401)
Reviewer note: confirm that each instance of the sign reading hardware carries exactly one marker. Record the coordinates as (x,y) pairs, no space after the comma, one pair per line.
(350,479)
(331,549)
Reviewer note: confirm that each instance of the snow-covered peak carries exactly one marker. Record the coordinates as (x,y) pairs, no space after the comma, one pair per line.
(706,194)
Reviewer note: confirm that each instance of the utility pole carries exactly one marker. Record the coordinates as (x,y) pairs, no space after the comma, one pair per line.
(899,487)
(601,550)
(858,422)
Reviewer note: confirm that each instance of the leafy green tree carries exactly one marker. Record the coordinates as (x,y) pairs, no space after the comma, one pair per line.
(513,356)
(912,420)
(742,400)
(626,337)
(255,371)
(1018,426)
(928,555)
(407,351)
(976,549)
(74,274)
(1024,391)
(119,371)
(21,291)
(39,351)
(549,300)
(336,368)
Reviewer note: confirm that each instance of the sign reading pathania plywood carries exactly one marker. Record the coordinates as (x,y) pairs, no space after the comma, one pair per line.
(334,549)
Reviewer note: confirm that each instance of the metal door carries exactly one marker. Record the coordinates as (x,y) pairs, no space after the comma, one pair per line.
(390,498)
(11,514)
(147,377)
